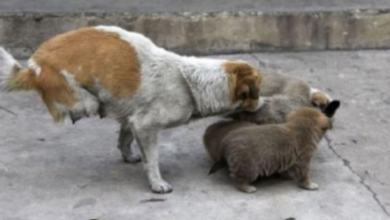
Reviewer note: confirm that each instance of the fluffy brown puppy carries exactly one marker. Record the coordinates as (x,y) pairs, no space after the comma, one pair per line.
(251,151)
(282,94)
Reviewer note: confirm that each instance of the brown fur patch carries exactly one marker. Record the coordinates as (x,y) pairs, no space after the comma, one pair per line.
(91,55)
(320,119)
(52,87)
(244,83)
(215,133)
(21,79)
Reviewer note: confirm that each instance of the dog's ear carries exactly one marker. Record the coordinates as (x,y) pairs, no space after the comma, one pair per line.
(331,109)
(244,80)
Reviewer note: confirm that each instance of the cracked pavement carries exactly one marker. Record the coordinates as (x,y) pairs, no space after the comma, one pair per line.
(50,171)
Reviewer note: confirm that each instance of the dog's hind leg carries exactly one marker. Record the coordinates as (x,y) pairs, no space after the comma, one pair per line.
(124,142)
(301,174)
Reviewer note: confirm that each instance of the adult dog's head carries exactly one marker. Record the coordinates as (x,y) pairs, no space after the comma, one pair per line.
(244,85)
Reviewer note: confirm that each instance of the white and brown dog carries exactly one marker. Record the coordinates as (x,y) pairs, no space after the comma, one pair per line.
(107,70)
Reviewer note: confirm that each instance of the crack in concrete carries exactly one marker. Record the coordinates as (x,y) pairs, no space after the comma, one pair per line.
(8,111)
(345,161)
(261,63)
(361,179)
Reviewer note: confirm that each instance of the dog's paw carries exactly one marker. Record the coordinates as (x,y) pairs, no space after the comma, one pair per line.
(161,187)
(247,188)
(310,186)
(251,189)
(134,158)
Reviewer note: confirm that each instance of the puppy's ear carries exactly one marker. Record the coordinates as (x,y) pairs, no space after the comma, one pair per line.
(330,110)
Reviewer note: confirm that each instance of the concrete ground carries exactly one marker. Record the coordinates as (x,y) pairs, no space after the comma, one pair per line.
(185,5)
(49,171)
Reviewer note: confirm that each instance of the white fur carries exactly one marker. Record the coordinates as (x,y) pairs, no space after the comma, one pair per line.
(34,66)
(314,90)
(162,82)
(173,89)
(7,63)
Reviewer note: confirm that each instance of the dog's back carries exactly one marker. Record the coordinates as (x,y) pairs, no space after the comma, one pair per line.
(259,150)
(281,94)
(275,83)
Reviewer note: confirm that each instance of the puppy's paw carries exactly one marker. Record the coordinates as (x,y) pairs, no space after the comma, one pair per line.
(134,158)
(251,189)
(246,188)
(161,187)
(310,186)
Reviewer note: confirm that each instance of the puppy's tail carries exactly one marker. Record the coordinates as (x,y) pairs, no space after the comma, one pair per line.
(12,76)
(217,166)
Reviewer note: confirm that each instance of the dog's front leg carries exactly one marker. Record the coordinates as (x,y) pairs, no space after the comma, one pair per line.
(147,141)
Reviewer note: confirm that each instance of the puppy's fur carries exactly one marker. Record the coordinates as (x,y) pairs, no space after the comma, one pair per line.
(216,132)
(282,94)
(106,70)
(250,151)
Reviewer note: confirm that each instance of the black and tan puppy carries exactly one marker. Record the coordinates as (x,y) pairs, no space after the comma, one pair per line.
(251,151)
(282,94)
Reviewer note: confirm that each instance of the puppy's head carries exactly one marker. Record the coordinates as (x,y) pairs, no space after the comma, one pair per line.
(322,101)
(244,85)
(319,99)
(314,115)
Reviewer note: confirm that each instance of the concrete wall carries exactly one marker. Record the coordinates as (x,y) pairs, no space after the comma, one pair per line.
(213,33)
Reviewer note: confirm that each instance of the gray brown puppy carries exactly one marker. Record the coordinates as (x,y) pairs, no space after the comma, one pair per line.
(216,132)
(251,151)
(282,94)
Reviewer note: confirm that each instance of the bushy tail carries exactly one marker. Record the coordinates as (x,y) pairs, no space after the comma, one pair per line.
(12,76)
